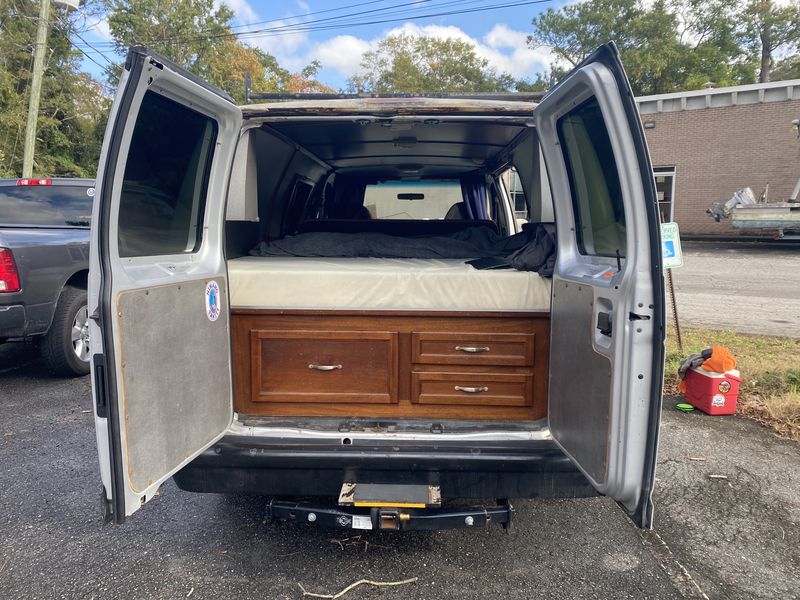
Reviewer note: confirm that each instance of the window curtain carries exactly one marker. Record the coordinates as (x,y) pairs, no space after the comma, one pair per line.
(473,190)
(348,198)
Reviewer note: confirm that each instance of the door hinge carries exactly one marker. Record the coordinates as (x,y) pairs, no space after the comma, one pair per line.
(604,323)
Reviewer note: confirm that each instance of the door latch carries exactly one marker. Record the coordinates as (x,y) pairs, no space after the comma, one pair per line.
(604,323)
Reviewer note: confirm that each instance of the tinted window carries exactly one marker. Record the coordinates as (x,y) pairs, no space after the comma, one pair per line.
(412,200)
(594,181)
(46,205)
(166,179)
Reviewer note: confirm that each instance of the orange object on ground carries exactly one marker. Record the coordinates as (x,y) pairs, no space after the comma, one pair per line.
(721,360)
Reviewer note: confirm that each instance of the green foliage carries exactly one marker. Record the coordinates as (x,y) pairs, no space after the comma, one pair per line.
(788,68)
(406,63)
(73,108)
(666,45)
(197,35)
(767,27)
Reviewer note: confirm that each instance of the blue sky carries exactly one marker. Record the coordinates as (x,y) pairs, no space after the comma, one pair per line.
(297,36)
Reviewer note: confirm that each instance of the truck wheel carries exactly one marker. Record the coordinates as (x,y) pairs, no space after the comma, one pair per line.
(65,348)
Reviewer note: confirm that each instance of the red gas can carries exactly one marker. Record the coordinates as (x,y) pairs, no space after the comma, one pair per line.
(713,393)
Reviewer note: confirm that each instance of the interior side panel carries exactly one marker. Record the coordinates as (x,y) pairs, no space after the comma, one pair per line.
(581,379)
(165,358)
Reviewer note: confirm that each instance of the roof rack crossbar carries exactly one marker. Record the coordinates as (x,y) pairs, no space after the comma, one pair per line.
(501,96)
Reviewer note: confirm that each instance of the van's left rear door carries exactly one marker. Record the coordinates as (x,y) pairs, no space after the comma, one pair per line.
(158,287)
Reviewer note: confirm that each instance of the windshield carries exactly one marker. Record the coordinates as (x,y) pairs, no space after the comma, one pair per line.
(412,200)
(48,206)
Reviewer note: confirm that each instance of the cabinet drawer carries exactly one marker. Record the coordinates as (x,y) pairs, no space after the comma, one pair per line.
(487,389)
(324,366)
(494,349)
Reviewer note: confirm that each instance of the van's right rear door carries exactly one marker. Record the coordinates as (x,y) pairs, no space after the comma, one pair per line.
(607,330)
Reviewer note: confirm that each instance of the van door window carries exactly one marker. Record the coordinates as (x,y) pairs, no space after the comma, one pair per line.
(166,178)
(594,181)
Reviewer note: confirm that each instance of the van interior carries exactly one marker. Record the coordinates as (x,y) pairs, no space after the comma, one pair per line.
(378,268)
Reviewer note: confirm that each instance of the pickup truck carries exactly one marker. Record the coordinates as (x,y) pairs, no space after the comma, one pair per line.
(44,263)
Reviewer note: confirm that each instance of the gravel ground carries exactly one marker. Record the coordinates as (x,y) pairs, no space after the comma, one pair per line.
(732,539)
(746,287)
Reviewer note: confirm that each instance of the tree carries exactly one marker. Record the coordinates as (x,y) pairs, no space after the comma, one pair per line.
(188,32)
(73,107)
(197,35)
(666,45)
(768,28)
(407,63)
(788,68)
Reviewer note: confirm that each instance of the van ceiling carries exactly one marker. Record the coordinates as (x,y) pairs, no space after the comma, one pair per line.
(419,148)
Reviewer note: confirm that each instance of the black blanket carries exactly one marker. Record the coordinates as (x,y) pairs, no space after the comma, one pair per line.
(533,249)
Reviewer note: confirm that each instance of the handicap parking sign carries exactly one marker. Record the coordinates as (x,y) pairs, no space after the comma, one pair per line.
(671,246)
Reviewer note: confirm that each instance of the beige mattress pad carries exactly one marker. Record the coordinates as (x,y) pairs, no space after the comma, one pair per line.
(381,284)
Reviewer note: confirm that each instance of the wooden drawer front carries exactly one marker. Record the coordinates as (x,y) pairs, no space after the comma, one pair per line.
(487,389)
(350,366)
(495,349)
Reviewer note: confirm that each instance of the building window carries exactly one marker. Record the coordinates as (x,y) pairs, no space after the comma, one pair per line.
(665,189)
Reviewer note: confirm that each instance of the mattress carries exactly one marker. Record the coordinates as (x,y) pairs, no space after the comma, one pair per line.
(381,284)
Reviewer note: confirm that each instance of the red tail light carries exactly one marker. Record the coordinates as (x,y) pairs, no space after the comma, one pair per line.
(34,182)
(9,277)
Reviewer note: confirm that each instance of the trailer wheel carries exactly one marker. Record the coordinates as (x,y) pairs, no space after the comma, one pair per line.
(65,347)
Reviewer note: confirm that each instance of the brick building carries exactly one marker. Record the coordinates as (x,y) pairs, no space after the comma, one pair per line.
(707,144)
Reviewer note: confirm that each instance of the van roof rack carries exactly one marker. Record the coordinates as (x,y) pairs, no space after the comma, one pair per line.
(501,96)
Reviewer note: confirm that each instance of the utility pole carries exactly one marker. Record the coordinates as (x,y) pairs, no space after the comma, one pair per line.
(36,87)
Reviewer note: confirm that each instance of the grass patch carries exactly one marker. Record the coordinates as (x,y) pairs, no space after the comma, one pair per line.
(770,369)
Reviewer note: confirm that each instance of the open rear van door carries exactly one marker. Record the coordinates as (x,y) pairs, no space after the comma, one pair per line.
(607,339)
(158,292)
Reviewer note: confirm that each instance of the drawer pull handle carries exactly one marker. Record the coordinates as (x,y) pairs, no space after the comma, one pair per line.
(472,349)
(324,367)
(471,390)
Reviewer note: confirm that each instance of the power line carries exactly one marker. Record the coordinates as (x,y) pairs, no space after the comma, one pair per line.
(412,5)
(316,25)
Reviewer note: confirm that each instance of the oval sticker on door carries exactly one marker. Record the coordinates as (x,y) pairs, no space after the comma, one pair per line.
(212,301)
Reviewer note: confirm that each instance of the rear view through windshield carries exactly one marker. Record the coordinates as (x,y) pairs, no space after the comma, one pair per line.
(46,206)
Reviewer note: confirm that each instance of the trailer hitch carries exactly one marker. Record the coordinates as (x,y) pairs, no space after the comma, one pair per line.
(389,518)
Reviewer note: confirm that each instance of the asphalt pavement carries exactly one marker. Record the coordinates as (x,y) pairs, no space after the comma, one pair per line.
(733,538)
(745,287)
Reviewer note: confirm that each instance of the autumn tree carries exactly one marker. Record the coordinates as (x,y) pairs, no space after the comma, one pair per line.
(408,63)
(197,35)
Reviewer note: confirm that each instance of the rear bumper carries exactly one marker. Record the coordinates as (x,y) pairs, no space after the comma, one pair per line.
(13,321)
(463,470)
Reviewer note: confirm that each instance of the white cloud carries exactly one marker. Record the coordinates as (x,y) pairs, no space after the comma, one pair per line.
(506,49)
(341,53)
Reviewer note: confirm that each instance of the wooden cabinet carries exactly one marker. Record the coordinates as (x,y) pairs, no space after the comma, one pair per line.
(392,364)
(323,366)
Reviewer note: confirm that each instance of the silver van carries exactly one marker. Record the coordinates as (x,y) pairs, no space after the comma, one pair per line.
(330,302)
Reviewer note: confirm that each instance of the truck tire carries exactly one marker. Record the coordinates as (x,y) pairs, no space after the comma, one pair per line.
(65,346)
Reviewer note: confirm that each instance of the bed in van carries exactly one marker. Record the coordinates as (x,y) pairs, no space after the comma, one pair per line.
(338,300)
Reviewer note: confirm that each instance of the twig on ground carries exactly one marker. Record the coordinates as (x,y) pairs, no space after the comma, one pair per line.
(355,585)
(191,591)
(697,458)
